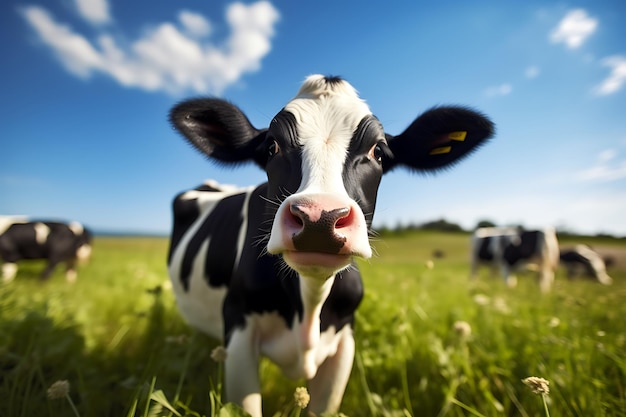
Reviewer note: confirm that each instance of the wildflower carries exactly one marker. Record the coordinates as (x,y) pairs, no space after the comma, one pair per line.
(481,299)
(219,354)
(177,340)
(554,322)
(59,389)
(430,264)
(463,329)
(537,385)
(301,397)
(500,305)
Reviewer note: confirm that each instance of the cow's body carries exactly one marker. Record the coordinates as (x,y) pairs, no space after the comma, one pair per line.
(582,260)
(55,242)
(510,248)
(270,269)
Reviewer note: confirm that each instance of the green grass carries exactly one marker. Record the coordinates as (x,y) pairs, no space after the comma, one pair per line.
(116,336)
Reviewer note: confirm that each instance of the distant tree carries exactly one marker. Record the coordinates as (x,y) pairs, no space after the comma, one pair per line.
(442,225)
(485,223)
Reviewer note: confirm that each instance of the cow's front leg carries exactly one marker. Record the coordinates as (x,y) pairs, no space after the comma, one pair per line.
(329,383)
(507,274)
(242,371)
(70,271)
(546,278)
(9,270)
(45,274)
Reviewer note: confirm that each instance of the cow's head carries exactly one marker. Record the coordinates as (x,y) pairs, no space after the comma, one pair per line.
(324,154)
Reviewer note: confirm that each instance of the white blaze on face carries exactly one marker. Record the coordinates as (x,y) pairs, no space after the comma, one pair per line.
(327,117)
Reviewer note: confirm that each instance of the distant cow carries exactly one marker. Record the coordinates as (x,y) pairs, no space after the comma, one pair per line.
(512,248)
(582,260)
(269,269)
(54,241)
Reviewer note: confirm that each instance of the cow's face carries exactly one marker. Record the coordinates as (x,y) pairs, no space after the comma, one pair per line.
(323,165)
(324,154)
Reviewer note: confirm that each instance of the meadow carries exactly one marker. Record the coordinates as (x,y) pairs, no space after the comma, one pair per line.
(429,341)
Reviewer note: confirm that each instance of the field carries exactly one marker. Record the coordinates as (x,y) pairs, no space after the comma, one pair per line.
(116,337)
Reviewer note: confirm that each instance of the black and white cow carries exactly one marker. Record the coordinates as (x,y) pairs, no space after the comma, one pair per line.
(510,248)
(54,241)
(582,260)
(270,269)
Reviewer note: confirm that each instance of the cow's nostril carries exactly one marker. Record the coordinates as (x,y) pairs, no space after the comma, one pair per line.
(345,219)
(297,214)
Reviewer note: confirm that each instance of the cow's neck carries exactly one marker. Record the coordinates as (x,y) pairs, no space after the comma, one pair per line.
(313,292)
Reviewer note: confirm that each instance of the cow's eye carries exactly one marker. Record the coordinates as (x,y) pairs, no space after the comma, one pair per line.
(376,153)
(273,149)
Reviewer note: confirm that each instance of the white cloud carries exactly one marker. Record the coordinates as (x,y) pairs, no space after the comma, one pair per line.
(499,90)
(168,57)
(574,29)
(532,72)
(94,11)
(195,23)
(606,169)
(615,81)
(74,51)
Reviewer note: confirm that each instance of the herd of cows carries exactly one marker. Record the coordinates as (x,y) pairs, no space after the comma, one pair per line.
(270,269)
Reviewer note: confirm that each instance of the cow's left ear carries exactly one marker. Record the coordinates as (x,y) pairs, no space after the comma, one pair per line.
(438,138)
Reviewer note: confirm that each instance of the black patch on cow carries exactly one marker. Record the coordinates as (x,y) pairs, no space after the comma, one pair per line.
(284,169)
(224,222)
(362,173)
(333,80)
(186,212)
(345,296)
(484,250)
(573,259)
(525,248)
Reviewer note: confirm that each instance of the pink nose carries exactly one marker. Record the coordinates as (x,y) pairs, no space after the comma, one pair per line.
(319,224)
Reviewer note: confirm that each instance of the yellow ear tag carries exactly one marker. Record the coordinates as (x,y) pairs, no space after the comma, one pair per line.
(442,150)
(460,136)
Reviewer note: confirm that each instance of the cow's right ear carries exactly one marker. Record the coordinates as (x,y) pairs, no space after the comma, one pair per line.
(217,128)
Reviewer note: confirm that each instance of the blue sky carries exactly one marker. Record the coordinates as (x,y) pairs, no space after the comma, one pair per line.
(87,84)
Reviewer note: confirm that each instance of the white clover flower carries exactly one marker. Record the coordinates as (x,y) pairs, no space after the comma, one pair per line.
(60,389)
(463,329)
(481,299)
(301,397)
(219,354)
(554,322)
(537,385)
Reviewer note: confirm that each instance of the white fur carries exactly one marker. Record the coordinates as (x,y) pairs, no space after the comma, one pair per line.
(596,263)
(76,228)
(41,233)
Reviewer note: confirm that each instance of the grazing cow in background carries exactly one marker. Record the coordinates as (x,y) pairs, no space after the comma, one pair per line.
(513,248)
(56,242)
(582,260)
(269,269)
